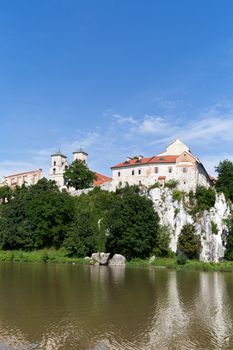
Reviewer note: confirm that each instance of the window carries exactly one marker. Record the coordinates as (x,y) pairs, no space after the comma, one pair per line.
(170,169)
(140,182)
(139,172)
(54,163)
(132,172)
(156,170)
(184,170)
(54,171)
(119,173)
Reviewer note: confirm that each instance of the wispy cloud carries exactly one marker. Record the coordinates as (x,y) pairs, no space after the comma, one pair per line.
(209,136)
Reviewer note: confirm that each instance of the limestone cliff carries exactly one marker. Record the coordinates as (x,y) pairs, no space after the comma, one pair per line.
(210,224)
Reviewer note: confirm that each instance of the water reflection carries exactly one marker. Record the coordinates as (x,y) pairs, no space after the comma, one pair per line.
(69,307)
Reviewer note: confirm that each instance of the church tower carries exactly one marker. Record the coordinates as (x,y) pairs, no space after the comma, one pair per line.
(80,155)
(58,166)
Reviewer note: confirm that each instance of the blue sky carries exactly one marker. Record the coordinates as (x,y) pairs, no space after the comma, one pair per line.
(118,77)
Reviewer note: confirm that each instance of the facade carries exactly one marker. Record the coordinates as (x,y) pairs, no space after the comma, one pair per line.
(27,178)
(176,163)
(59,165)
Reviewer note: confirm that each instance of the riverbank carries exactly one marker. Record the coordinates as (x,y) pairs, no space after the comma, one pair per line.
(60,257)
(39,256)
(171,263)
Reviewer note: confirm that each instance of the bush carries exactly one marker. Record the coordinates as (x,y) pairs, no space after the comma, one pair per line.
(214,228)
(162,242)
(205,199)
(171,184)
(155,185)
(191,197)
(177,195)
(181,259)
(229,243)
(189,243)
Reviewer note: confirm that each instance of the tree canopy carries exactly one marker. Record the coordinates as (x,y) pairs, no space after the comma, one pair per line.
(132,224)
(189,243)
(225,178)
(35,217)
(79,176)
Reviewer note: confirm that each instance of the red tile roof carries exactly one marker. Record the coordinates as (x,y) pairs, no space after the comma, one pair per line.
(151,160)
(101,179)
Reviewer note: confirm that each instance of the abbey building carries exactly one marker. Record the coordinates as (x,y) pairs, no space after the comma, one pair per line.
(176,163)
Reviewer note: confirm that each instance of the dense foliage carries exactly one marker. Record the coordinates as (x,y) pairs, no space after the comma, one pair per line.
(189,243)
(41,216)
(132,224)
(35,217)
(229,243)
(79,176)
(204,199)
(225,178)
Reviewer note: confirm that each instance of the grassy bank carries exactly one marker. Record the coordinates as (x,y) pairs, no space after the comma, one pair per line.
(60,256)
(171,263)
(38,256)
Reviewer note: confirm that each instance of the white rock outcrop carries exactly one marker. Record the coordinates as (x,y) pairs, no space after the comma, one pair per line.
(175,215)
(117,260)
(100,258)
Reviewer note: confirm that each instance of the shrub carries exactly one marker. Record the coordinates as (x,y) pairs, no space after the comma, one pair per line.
(155,185)
(214,228)
(189,243)
(177,195)
(229,243)
(191,197)
(205,199)
(181,259)
(162,242)
(171,184)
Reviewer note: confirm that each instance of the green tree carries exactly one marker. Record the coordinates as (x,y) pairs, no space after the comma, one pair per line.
(189,243)
(36,217)
(87,233)
(162,242)
(229,242)
(205,198)
(79,176)
(225,178)
(5,194)
(81,238)
(132,224)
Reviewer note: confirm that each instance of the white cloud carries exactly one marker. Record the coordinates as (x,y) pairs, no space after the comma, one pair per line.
(209,136)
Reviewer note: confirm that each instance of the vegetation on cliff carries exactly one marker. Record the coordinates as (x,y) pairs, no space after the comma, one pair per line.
(42,217)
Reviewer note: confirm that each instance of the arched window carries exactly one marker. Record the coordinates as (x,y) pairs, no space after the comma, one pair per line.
(54,171)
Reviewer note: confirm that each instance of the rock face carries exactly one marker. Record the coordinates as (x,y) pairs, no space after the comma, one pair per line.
(175,215)
(100,258)
(117,260)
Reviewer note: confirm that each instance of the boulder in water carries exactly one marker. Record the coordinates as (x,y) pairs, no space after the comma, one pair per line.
(100,258)
(117,260)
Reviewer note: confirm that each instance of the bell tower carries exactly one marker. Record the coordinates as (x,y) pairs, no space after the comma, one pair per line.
(80,155)
(58,166)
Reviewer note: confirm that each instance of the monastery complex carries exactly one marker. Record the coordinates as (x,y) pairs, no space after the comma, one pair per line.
(176,163)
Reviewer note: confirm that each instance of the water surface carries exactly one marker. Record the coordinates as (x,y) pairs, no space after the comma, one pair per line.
(65,307)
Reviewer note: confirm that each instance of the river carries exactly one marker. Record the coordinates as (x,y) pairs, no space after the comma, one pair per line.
(65,307)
